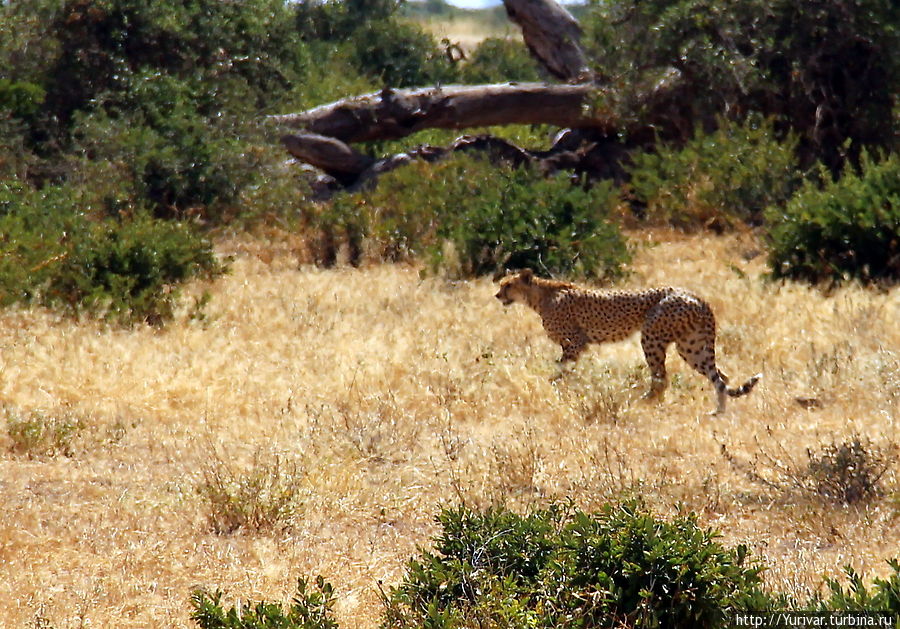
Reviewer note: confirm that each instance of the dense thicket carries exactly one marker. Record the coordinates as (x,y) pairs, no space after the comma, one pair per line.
(152,110)
(823,68)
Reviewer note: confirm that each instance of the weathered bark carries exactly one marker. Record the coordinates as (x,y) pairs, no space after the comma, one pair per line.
(393,114)
(590,111)
(552,35)
(329,154)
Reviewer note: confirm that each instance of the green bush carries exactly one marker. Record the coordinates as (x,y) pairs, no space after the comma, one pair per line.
(849,228)
(167,94)
(398,54)
(171,157)
(497,60)
(473,218)
(823,69)
(882,596)
(129,269)
(310,609)
(561,567)
(717,179)
(850,471)
(103,43)
(20,99)
(36,434)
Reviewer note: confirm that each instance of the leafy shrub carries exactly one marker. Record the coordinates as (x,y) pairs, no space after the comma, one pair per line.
(102,43)
(398,54)
(20,99)
(883,596)
(263,498)
(474,218)
(37,434)
(310,609)
(167,94)
(717,179)
(849,228)
(130,268)
(172,158)
(561,567)
(337,21)
(822,68)
(498,59)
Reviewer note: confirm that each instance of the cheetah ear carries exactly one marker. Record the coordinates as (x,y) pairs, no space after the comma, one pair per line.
(525,275)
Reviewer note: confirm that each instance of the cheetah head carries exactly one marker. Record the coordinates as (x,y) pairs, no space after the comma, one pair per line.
(514,287)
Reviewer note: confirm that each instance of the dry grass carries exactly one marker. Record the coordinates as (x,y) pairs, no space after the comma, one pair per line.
(467,31)
(371,397)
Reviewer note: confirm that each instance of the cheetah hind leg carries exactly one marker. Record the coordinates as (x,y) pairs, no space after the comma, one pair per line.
(655,355)
(704,362)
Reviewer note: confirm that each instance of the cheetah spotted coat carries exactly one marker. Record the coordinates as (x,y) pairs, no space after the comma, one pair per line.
(575,317)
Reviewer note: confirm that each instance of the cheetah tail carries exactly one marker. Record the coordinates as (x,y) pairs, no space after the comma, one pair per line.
(745,388)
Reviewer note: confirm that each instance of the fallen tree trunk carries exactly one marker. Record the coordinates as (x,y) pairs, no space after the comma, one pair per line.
(603,123)
(393,114)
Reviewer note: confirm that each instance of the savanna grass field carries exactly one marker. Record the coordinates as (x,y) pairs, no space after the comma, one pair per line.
(315,421)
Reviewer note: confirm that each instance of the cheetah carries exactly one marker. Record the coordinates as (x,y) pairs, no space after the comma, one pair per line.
(574,317)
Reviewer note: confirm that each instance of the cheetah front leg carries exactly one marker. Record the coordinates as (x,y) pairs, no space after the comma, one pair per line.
(572,345)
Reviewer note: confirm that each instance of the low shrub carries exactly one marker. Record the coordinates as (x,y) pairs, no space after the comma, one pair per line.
(843,229)
(845,472)
(850,471)
(128,269)
(398,54)
(36,434)
(561,567)
(262,498)
(718,179)
(310,609)
(471,218)
(882,596)
(496,60)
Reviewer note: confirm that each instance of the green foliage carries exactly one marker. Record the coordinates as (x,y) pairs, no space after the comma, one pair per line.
(882,596)
(518,219)
(849,228)
(129,268)
(310,609)
(562,567)
(826,69)
(374,40)
(398,54)
(37,434)
(496,60)
(173,158)
(473,218)
(20,99)
(104,42)
(720,178)
(263,498)
(337,21)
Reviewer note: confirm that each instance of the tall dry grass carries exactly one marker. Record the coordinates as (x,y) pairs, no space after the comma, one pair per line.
(467,31)
(368,398)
